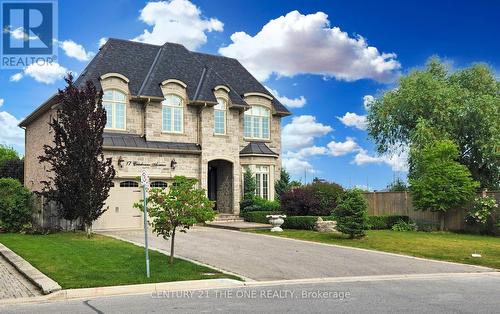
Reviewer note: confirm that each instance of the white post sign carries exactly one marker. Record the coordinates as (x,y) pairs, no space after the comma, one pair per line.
(145,185)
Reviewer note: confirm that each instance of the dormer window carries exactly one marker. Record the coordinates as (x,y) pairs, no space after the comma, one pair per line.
(114,102)
(220,117)
(257,123)
(172,114)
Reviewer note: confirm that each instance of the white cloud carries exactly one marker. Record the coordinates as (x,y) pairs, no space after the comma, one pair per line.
(298,44)
(74,50)
(367,101)
(289,102)
(308,152)
(16,77)
(10,133)
(102,41)
(343,148)
(1,102)
(178,21)
(19,34)
(398,162)
(301,132)
(297,166)
(48,73)
(354,120)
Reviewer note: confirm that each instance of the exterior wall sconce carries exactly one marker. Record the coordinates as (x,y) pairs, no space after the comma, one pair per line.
(173,164)
(120,162)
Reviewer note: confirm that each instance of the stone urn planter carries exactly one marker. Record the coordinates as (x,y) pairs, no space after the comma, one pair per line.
(276,221)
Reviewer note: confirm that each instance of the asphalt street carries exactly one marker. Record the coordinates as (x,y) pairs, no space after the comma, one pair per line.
(470,293)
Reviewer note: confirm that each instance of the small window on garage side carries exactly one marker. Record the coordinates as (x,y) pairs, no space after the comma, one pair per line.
(159,184)
(129,184)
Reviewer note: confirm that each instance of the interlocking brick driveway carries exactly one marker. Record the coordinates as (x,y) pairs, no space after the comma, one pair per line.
(13,284)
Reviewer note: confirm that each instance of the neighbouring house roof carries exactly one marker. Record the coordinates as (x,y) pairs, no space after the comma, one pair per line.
(124,141)
(257,148)
(146,66)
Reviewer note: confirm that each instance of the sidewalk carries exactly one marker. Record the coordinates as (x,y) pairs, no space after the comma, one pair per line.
(13,284)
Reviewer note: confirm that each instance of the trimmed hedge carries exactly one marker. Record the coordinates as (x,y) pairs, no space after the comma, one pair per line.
(385,222)
(256,216)
(291,222)
(303,222)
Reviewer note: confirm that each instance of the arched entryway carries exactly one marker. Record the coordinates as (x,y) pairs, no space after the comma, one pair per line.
(220,185)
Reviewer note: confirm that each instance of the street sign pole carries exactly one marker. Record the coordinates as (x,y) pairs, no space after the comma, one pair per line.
(145,185)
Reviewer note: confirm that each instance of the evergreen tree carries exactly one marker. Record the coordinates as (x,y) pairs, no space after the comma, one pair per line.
(81,177)
(352,217)
(283,184)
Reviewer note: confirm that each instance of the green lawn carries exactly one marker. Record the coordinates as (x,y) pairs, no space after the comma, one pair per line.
(444,246)
(77,262)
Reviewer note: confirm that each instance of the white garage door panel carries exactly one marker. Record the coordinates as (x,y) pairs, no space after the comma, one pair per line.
(120,213)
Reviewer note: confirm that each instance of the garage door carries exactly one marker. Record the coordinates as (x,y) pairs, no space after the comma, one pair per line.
(120,213)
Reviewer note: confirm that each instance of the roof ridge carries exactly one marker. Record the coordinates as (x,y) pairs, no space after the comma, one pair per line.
(148,75)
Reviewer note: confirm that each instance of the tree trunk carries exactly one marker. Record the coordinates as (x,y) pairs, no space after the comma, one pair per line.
(172,239)
(441,221)
(88,228)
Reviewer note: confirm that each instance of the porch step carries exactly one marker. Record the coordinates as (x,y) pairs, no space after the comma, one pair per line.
(228,218)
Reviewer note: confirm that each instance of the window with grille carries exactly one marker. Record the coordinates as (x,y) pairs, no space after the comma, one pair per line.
(129,184)
(257,123)
(172,114)
(158,184)
(114,102)
(220,116)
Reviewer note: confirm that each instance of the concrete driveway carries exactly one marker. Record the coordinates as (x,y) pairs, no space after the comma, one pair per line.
(261,257)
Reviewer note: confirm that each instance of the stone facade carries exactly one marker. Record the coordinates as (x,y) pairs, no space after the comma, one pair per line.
(144,118)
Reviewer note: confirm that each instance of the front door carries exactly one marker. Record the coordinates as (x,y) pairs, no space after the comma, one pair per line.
(212,185)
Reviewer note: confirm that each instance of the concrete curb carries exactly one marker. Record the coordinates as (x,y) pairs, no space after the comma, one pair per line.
(39,279)
(246,279)
(155,289)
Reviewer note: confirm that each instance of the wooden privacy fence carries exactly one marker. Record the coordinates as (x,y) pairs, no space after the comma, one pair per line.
(400,203)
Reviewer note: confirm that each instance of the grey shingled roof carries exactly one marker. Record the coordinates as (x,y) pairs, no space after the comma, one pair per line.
(257,148)
(146,66)
(124,140)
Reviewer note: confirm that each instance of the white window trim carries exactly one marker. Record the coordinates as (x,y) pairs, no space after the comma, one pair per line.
(252,125)
(260,184)
(172,115)
(225,116)
(113,110)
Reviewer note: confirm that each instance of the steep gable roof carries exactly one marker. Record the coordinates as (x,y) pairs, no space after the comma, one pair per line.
(146,66)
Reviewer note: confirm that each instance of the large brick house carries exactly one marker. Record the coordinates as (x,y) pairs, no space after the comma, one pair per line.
(173,112)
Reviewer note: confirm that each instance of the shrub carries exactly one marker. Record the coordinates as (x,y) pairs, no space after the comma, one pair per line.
(352,215)
(256,216)
(317,199)
(328,195)
(385,222)
(299,202)
(258,204)
(483,215)
(402,225)
(427,226)
(16,205)
(303,222)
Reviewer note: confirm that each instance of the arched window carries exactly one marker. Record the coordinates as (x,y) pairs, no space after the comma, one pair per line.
(129,184)
(114,102)
(220,116)
(159,184)
(172,114)
(257,123)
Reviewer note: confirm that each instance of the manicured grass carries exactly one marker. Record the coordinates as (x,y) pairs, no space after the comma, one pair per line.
(77,262)
(444,246)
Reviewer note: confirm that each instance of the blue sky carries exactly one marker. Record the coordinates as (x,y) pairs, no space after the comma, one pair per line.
(325,59)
